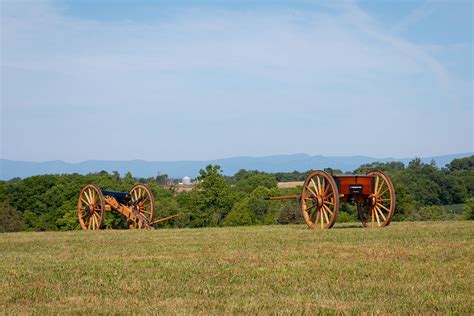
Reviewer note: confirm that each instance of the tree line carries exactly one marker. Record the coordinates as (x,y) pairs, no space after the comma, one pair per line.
(48,202)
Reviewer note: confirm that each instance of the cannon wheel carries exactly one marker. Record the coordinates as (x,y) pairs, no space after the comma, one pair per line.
(320,200)
(379,210)
(90,207)
(146,207)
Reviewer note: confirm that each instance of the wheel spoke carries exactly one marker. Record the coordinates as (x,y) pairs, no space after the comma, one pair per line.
(86,194)
(325,214)
(385,191)
(381,185)
(317,218)
(319,186)
(98,219)
(328,209)
(310,214)
(322,218)
(383,206)
(315,187)
(93,196)
(323,186)
(376,215)
(312,206)
(326,189)
(327,202)
(89,195)
(311,191)
(376,184)
(85,202)
(381,213)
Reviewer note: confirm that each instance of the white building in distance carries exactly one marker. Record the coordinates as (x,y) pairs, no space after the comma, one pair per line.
(187,180)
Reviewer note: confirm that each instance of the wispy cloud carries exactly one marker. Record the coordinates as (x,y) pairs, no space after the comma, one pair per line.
(420,13)
(209,70)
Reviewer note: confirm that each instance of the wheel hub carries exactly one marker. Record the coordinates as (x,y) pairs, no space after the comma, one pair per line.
(318,200)
(372,200)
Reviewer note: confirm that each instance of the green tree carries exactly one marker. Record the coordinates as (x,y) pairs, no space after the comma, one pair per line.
(253,180)
(211,199)
(381,166)
(247,181)
(466,163)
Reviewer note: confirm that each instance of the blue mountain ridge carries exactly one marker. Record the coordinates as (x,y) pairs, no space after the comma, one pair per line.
(177,169)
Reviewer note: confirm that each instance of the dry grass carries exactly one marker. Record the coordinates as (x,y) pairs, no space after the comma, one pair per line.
(289,185)
(406,267)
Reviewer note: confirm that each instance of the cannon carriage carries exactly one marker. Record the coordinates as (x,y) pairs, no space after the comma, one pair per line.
(138,206)
(322,194)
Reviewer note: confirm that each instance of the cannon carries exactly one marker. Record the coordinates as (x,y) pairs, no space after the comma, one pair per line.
(322,193)
(137,206)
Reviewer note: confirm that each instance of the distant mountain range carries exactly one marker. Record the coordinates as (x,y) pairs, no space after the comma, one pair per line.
(177,169)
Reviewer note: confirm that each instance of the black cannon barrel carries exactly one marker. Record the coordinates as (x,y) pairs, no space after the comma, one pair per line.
(121,197)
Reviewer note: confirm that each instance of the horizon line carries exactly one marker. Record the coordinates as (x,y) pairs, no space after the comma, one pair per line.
(234,157)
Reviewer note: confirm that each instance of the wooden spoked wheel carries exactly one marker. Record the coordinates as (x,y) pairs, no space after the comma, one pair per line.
(381,203)
(90,207)
(143,200)
(320,200)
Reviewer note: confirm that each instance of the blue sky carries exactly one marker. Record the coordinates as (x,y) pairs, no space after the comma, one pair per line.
(180,80)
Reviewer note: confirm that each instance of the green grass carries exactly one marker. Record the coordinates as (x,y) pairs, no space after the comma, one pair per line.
(406,267)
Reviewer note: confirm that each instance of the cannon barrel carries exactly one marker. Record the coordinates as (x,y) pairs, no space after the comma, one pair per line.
(121,197)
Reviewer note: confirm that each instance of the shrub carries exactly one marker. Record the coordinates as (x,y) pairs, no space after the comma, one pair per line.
(240,215)
(344,217)
(431,213)
(468,212)
(10,219)
(289,212)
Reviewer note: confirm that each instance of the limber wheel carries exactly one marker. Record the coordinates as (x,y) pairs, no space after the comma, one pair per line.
(143,200)
(90,207)
(381,203)
(320,200)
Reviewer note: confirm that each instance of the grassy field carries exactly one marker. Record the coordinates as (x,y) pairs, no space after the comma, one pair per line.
(289,185)
(406,267)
